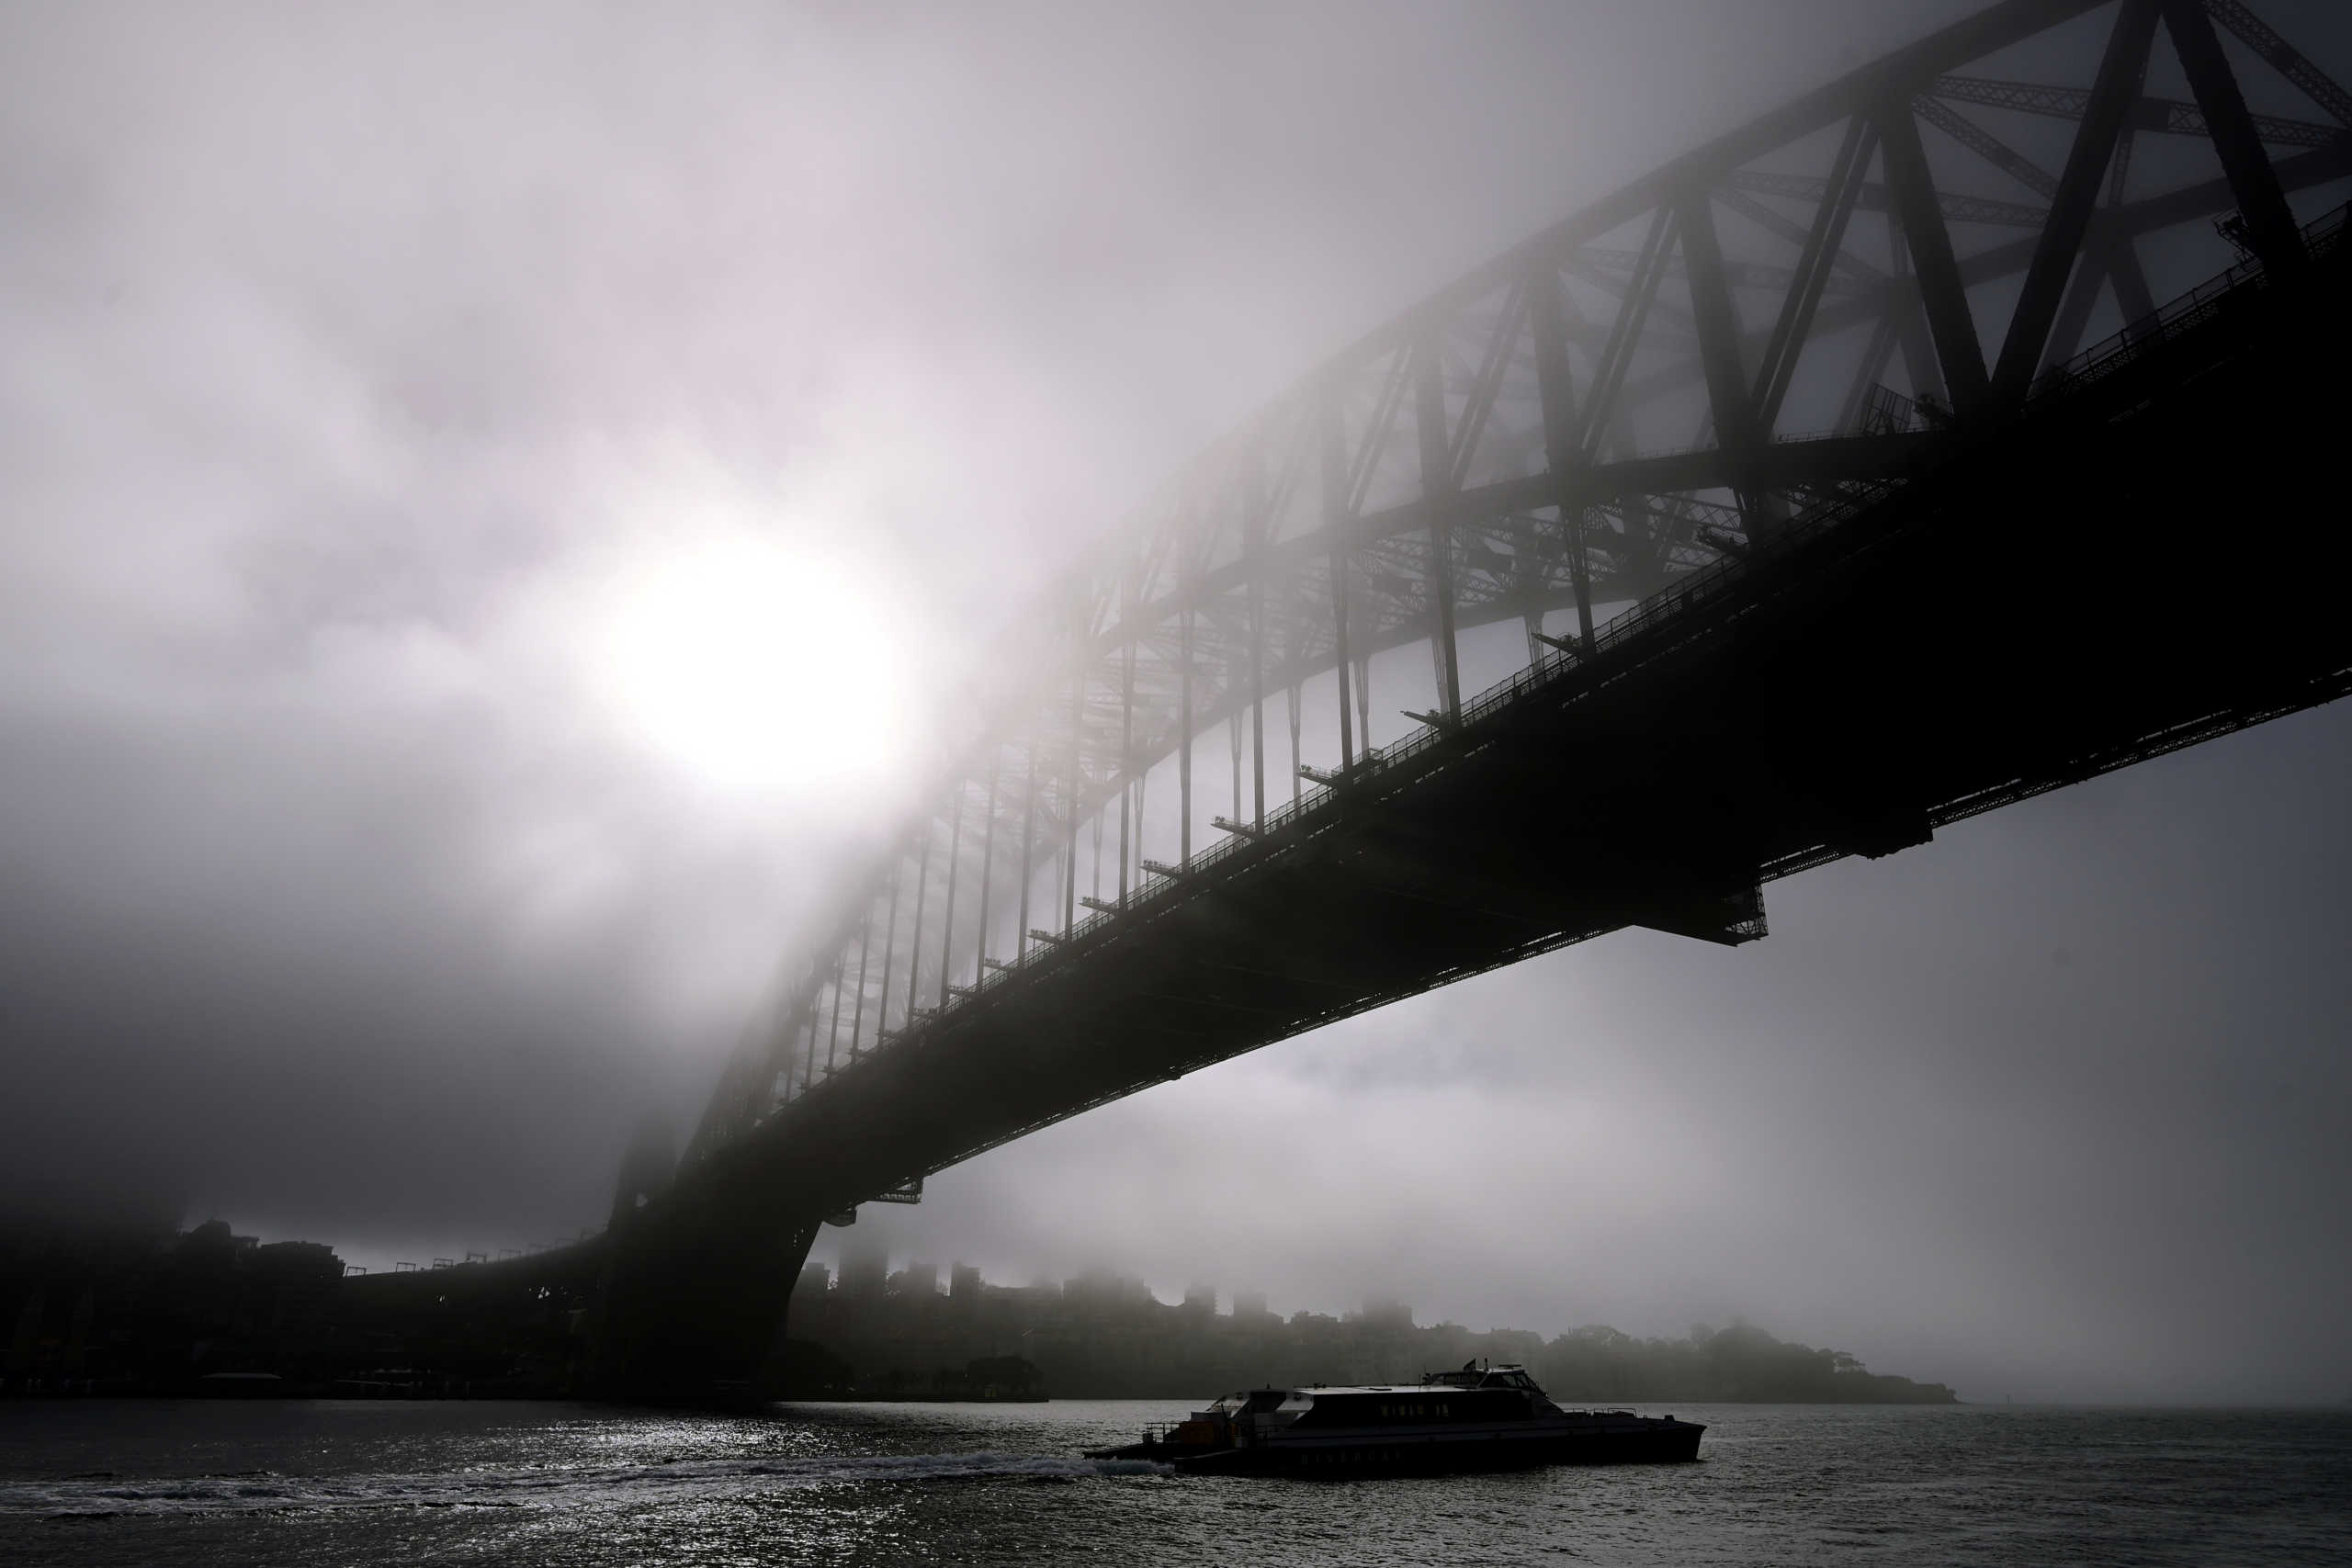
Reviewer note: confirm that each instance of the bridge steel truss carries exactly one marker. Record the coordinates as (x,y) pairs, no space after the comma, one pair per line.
(1768,333)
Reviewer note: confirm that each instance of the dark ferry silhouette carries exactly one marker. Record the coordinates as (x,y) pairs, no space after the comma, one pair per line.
(1486,1417)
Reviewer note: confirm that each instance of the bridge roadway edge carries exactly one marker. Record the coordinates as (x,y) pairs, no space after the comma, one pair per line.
(1873,684)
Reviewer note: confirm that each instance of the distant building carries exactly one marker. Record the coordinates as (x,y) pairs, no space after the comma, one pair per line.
(963,1286)
(815,1279)
(1249,1306)
(1200,1301)
(865,1270)
(1098,1292)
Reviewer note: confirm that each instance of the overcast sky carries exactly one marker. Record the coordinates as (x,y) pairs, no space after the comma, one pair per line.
(389,394)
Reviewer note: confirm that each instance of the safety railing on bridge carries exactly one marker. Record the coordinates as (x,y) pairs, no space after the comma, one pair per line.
(2194,309)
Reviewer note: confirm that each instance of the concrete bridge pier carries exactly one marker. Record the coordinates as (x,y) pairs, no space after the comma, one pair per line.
(694,1291)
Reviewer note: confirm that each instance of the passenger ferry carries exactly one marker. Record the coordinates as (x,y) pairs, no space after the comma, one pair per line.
(1483,1418)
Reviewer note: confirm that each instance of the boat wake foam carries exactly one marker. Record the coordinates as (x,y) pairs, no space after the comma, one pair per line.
(550,1486)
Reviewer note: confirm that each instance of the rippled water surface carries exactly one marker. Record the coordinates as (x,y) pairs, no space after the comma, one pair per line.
(364,1483)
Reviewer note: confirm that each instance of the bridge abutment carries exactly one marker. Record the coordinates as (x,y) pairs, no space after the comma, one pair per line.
(695,1292)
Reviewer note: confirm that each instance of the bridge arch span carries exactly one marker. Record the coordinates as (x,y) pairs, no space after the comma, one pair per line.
(1653,477)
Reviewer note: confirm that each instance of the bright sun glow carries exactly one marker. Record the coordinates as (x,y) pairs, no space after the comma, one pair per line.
(756,668)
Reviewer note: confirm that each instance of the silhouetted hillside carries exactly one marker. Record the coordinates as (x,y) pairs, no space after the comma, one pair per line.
(1099,1336)
(140,1308)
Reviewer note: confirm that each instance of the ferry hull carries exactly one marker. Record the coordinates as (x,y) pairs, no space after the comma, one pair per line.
(1334,1458)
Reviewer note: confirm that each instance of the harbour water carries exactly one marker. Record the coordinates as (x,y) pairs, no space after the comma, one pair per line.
(267,1482)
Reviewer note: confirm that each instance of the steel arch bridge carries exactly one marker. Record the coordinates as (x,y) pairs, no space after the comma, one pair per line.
(1790,499)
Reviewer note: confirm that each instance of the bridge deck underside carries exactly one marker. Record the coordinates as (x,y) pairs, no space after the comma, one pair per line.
(1847,695)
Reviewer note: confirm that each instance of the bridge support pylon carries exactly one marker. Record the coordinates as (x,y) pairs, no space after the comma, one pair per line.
(695,1292)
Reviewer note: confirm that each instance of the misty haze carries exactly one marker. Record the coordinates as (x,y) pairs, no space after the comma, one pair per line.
(838,717)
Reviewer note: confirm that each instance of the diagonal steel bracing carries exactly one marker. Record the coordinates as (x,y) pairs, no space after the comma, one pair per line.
(1812,293)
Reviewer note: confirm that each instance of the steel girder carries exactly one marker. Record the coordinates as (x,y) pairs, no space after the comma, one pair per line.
(1813,306)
